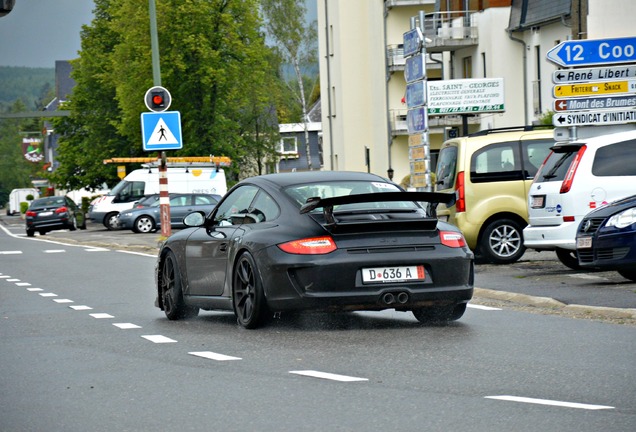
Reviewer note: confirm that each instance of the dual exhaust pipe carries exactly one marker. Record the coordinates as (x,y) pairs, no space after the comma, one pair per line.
(401,298)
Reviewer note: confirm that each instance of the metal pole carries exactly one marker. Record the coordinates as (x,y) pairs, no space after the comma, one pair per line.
(154,43)
(164,197)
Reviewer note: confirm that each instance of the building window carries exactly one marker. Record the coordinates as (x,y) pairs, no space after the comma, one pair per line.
(288,146)
(467,66)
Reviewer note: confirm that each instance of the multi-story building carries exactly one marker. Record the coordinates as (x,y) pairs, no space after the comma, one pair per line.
(362,64)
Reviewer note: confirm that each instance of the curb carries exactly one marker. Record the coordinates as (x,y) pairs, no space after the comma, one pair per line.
(550,303)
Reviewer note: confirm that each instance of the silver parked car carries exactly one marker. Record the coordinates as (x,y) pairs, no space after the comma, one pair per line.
(148,219)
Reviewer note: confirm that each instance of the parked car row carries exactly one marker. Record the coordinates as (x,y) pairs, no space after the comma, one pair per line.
(145,217)
(519,188)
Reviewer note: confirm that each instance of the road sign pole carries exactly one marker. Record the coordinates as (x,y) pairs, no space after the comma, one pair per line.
(164,197)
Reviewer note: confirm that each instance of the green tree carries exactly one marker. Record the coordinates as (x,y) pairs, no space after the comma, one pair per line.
(285,23)
(213,60)
(15,170)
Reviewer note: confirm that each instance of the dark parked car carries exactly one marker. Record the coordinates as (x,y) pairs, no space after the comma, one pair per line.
(606,238)
(148,219)
(332,241)
(53,213)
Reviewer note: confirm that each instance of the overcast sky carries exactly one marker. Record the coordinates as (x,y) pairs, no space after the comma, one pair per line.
(36,33)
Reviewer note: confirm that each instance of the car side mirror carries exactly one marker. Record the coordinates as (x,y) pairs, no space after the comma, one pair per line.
(195,219)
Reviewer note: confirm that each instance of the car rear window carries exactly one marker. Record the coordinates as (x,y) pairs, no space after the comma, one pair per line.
(556,165)
(300,193)
(617,159)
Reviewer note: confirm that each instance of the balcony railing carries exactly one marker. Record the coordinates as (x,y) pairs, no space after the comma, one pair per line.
(396,60)
(399,127)
(449,31)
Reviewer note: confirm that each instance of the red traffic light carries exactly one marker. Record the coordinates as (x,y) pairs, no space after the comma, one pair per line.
(158,99)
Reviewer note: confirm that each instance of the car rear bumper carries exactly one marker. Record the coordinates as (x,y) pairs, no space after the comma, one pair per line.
(550,237)
(335,283)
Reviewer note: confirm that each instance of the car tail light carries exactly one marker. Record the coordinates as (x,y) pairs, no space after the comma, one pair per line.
(61,210)
(568,218)
(31,213)
(452,239)
(309,246)
(569,176)
(460,205)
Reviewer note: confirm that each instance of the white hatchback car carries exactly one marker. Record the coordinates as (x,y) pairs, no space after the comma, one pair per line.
(576,178)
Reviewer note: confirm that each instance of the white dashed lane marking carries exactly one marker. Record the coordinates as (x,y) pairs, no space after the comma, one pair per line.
(213,356)
(63,300)
(51,251)
(10,252)
(549,402)
(34,289)
(81,307)
(480,307)
(101,315)
(48,294)
(328,376)
(158,339)
(23,284)
(126,326)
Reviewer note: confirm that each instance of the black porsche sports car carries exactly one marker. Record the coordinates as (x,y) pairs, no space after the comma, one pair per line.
(320,240)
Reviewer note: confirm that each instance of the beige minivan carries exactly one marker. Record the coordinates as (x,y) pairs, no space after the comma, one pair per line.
(491,172)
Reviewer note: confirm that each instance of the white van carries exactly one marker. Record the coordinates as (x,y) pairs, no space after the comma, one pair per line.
(145,181)
(576,178)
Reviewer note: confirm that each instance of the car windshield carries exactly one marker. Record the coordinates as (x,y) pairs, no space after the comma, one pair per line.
(301,192)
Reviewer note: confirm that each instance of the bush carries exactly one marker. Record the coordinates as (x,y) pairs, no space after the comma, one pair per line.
(29,197)
(23,207)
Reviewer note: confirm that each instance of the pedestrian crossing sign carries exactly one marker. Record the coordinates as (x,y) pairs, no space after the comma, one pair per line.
(161,130)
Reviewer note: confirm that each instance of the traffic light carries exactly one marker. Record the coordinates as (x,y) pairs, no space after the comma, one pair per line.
(158,99)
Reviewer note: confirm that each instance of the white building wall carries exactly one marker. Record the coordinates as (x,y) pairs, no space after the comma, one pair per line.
(358,85)
(611,18)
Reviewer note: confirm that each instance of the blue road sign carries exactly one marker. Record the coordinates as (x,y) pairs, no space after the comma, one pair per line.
(416,120)
(413,41)
(415,68)
(161,130)
(593,52)
(416,94)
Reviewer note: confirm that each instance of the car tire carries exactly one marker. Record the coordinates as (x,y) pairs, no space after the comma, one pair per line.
(568,258)
(110,221)
(42,232)
(30,233)
(171,290)
(73,224)
(439,314)
(248,298)
(144,224)
(628,274)
(502,242)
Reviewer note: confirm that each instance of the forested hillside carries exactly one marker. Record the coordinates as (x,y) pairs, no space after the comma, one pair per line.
(34,86)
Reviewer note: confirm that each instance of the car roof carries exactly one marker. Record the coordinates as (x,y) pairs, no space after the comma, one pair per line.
(292,178)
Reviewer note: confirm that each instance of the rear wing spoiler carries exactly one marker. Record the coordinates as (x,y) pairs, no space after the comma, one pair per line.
(432,198)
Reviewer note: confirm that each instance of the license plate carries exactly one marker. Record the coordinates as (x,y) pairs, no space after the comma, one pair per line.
(584,242)
(537,201)
(47,213)
(393,274)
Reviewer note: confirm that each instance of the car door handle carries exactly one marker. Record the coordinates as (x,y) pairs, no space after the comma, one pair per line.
(223,247)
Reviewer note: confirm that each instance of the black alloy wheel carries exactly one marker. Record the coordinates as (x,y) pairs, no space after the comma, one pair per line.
(248,298)
(171,291)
